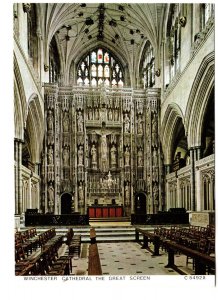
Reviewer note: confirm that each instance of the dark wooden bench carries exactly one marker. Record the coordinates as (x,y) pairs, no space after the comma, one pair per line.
(94,264)
(201,260)
(148,237)
(74,242)
(92,235)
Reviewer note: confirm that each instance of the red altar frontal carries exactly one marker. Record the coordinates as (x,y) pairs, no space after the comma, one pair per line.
(111,211)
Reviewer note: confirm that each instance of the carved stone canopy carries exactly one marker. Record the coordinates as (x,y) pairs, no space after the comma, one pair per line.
(26,7)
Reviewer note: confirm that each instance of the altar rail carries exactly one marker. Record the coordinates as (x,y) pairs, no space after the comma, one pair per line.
(55,220)
(160,218)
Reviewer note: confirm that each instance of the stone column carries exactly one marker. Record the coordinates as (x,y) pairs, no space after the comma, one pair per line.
(29,195)
(167,169)
(153,149)
(18,176)
(192,160)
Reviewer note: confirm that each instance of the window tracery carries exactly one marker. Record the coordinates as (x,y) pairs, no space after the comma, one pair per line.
(104,69)
(149,66)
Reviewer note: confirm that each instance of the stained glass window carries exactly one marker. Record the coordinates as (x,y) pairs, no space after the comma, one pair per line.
(148,71)
(100,71)
(86,81)
(93,57)
(106,58)
(99,67)
(106,71)
(100,56)
(94,83)
(94,71)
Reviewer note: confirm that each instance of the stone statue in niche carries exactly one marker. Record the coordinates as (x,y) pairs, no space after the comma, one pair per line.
(116,115)
(104,156)
(140,126)
(50,119)
(127,156)
(155,174)
(155,158)
(155,193)
(50,197)
(66,122)
(96,114)
(110,115)
(140,157)
(126,123)
(50,156)
(80,122)
(80,156)
(113,156)
(80,194)
(94,157)
(90,115)
(154,131)
(127,194)
(103,114)
(66,157)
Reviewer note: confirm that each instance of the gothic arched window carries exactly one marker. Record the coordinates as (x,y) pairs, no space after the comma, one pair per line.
(207,11)
(103,69)
(173,43)
(148,66)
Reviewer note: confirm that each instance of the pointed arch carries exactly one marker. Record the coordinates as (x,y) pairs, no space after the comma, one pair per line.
(172,118)
(35,127)
(198,100)
(20,105)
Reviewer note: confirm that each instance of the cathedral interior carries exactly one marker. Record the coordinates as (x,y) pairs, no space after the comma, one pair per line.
(114,116)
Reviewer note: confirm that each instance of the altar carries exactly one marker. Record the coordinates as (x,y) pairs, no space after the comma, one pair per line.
(109,211)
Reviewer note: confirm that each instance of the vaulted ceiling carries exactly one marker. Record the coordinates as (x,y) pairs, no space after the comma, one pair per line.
(121,28)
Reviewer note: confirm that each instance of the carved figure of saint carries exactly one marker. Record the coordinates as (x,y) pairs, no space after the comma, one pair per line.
(80,155)
(94,154)
(50,197)
(66,156)
(140,158)
(140,127)
(90,116)
(66,122)
(96,114)
(127,194)
(110,115)
(116,115)
(154,131)
(155,158)
(80,193)
(127,156)
(50,156)
(50,119)
(126,123)
(80,121)
(155,192)
(113,155)
(104,151)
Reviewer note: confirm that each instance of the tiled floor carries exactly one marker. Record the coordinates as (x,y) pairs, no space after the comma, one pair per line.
(128,258)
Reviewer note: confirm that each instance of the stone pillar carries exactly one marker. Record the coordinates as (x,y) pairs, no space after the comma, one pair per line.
(18,176)
(167,169)
(29,195)
(153,148)
(192,160)
(198,153)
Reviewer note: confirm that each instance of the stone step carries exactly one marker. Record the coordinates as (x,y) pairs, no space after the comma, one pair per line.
(115,219)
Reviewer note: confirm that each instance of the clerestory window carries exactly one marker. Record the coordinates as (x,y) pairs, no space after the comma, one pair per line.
(99,67)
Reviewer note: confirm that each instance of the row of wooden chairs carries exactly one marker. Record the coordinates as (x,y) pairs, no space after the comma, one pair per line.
(46,262)
(74,243)
(194,237)
(28,239)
